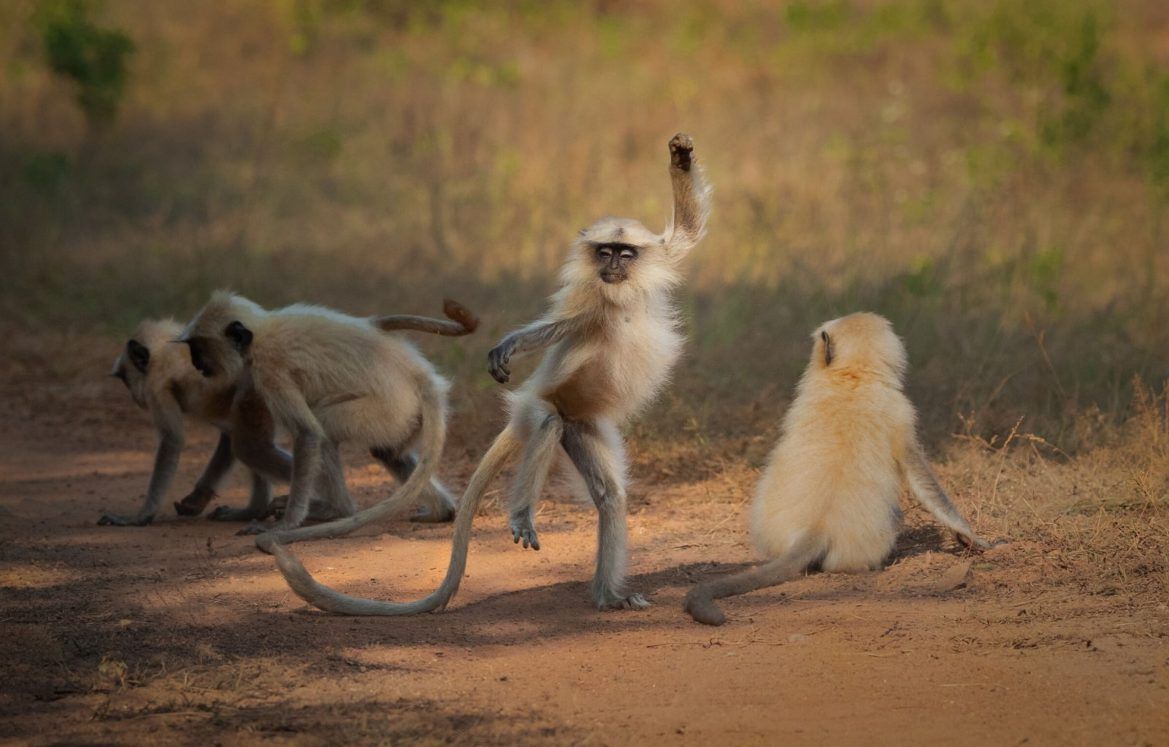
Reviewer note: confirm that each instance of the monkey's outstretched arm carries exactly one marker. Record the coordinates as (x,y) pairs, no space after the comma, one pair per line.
(204,491)
(463,322)
(168,418)
(536,336)
(700,601)
(926,489)
(691,198)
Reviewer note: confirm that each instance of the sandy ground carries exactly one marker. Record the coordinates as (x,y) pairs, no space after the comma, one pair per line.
(182,632)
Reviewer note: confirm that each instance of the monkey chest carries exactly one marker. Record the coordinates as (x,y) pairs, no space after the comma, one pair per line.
(616,375)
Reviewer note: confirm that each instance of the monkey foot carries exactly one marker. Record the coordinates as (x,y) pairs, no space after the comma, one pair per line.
(617,602)
(523,529)
(681,151)
(114,520)
(194,503)
(972,542)
(253,529)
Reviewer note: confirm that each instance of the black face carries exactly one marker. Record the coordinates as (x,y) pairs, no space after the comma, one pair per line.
(615,261)
(199,349)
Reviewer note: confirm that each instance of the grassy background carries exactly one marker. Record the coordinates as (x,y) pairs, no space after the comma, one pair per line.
(993,176)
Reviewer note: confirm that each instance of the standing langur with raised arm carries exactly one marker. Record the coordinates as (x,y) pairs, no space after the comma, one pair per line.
(829,495)
(325,378)
(611,338)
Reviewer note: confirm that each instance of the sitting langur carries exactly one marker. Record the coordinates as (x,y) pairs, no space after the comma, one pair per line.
(326,378)
(610,338)
(829,495)
(162,380)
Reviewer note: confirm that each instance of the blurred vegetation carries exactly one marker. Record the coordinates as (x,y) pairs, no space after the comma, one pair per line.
(93,58)
(993,176)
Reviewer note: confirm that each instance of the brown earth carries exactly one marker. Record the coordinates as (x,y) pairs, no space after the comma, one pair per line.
(182,632)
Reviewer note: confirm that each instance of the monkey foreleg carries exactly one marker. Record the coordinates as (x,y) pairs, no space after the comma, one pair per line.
(535,336)
(166,462)
(924,485)
(438,504)
(306,459)
(204,492)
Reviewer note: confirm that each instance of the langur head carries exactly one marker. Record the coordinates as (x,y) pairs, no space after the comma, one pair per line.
(136,359)
(859,343)
(621,259)
(220,336)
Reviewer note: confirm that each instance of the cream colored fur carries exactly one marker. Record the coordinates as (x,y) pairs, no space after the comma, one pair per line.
(829,494)
(327,376)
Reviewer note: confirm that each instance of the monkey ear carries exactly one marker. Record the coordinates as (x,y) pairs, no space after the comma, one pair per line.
(239,335)
(829,353)
(138,354)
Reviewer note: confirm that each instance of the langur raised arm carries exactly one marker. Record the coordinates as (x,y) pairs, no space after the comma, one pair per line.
(691,199)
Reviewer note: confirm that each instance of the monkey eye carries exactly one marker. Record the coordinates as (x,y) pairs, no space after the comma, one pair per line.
(604,251)
(629,253)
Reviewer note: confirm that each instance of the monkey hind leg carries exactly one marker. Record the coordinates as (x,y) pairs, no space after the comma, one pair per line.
(538,456)
(596,451)
(438,505)
(700,601)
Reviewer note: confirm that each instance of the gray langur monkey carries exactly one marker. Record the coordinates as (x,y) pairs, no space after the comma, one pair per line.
(325,378)
(611,339)
(829,495)
(163,381)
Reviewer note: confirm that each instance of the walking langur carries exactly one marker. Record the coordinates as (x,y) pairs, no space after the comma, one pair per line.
(829,494)
(610,338)
(162,380)
(325,378)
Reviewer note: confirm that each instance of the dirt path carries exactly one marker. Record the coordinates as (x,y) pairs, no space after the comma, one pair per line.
(182,633)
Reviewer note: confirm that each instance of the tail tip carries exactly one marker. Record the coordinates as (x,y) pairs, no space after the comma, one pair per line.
(460,313)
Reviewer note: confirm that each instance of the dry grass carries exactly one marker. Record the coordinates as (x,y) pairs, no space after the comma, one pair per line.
(992,176)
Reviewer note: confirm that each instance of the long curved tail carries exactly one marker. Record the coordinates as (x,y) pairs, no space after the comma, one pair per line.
(431,441)
(463,321)
(322,597)
(700,601)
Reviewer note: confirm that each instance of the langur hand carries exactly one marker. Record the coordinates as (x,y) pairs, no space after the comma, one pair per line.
(681,151)
(972,541)
(498,361)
